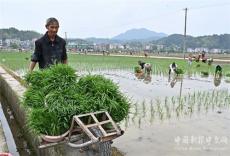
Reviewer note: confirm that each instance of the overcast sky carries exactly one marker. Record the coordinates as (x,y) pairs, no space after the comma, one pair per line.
(107,18)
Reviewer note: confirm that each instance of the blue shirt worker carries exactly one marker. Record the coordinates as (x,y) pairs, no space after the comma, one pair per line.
(50,49)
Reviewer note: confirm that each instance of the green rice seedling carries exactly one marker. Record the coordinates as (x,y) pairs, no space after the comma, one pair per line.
(173,102)
(168,113)
(179,71)
(143,109)
(213,98)
(226,97)
(194,97)
(227,75)
(136,111)
(39,121)
(181,104)
(34,98)
(160,109)
(190,108)
(106,94)
(127,122)
(204,73)
(178,111)
(59,95)
(152,115)
(139,122)
(206,103)
(137,69)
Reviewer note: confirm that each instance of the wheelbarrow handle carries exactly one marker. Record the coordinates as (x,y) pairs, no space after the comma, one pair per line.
(78,146)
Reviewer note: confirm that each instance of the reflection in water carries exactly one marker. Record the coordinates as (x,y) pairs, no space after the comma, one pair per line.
(147,78)
(173,82)
(217,80)
(174,79)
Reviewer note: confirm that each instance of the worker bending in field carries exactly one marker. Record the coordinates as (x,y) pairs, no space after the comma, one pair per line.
(172,68)
(146,67)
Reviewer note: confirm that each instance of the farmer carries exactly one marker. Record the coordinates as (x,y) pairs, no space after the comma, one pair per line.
(147,67)
(172,68)
(190,59)
(203,57)
(49,49)
(142,64)
(218,71)
(210,61)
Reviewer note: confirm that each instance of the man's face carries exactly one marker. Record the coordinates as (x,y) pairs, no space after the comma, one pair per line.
(52,29)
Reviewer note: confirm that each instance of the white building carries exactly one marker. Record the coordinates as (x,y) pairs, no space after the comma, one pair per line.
(0,43)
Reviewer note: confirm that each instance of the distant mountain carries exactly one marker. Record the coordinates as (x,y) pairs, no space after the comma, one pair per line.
(211,41)
(13,33)
(139,34)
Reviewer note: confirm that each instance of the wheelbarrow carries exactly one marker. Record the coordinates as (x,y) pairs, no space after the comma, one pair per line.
(91,130)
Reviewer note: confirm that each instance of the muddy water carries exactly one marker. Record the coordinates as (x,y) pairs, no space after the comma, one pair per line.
(196,135)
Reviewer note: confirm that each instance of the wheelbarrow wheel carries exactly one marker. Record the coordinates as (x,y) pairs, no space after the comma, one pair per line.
(100,148)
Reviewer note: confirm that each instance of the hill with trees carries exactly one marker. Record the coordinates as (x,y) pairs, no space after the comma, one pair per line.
(211,41)
(13,33)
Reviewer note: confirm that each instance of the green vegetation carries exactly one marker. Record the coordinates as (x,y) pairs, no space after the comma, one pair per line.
(103,94)
(179,71)
(227,75)
(18,61)
(204,73)
(137,69)
(54,95)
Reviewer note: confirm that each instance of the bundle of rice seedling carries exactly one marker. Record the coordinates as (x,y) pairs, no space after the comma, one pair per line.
(227,75)
(137,69)
(54,96)
(204,73)
(104,95)
(179,71)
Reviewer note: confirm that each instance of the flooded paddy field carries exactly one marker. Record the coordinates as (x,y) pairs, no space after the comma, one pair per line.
(190,117)
(173,116)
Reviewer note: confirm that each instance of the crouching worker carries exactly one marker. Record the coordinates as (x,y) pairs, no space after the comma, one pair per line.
(172,68)
(218,71)
(139,70)
(142,64)
(148,68)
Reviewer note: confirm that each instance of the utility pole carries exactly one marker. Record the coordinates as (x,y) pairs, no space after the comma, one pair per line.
(185,26)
